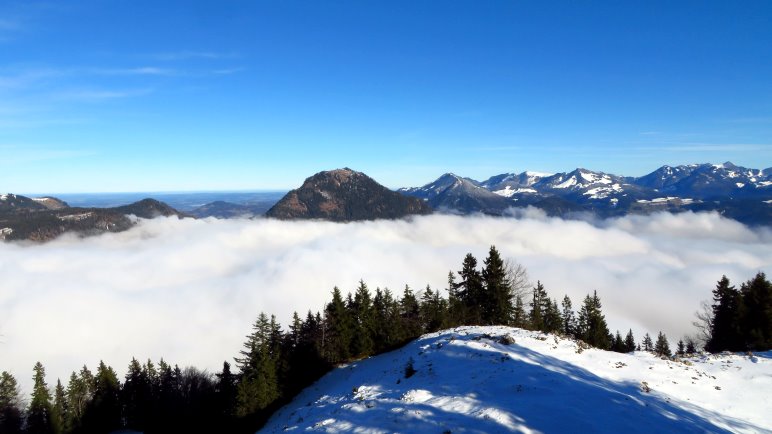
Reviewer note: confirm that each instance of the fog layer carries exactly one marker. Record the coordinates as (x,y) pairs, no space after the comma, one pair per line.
(188,290)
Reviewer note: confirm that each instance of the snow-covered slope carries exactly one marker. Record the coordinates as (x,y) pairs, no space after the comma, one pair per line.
(501,379)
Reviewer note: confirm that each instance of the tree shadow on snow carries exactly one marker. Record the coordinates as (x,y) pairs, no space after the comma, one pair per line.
(519,393)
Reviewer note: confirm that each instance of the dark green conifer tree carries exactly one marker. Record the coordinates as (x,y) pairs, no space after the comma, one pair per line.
(648,345)
(519,316)
(618,344)
(226,391)
(59,409)
(339,329)
(661,347)
(496,297)
(553,321)
(725,334)
(39,412)
(629,342)
(536,316)
(259,386)
(569,320)
(470,291)
(592,323)
(433,310)
(136,396)
(456,309)
(410,313)
(364,322)
(681,348)
(388,323)
(103,415)
(11,417)
(80,391)
(691,346)
(756,320)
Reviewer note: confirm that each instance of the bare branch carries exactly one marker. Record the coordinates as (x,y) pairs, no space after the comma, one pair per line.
(517,278)
(704,322)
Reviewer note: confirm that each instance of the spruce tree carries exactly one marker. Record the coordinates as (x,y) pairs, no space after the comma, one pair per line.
(410,314)
(569,321)
(553,321)
(725,334)
(519,316)
(691,347)
(104,412)
(662,348)
(456,310)
(59,409)
(536,316)
(39,413)
(648,345)
(226,393)
(756,319)
(592,324)
(339,329)
(681,348)
(618,345)
(433,310)
(135,397)
(364,322)
(10,405)
(80,392)
(259,386)
(496,298)
(629,342)
(470,290)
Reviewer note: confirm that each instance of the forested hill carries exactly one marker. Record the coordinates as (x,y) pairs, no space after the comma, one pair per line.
(45,218)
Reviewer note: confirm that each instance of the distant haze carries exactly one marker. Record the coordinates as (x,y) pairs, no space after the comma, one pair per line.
(188,290)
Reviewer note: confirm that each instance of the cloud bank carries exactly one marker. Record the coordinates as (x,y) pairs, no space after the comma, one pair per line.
(189,290)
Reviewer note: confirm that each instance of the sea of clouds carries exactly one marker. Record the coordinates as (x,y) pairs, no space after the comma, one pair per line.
(189,290)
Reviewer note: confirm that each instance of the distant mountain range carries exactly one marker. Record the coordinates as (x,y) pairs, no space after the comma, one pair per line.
(736,192)
(45,218)
(346,195)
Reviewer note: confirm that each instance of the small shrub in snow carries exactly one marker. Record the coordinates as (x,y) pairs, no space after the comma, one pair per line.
(645,387)
(409,368)
(507,340)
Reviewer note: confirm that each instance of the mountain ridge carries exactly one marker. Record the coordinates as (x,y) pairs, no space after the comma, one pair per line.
(725,188)
(45,218)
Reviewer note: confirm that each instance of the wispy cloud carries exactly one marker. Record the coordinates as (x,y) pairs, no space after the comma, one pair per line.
(95,95)
(192,54)
(143,70)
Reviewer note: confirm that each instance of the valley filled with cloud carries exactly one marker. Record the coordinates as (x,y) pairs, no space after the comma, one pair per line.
(188,290)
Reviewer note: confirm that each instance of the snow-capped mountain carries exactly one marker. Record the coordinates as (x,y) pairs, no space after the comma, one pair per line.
(456,194)
(707,180)
(509,184)
(499,379)
(737,192)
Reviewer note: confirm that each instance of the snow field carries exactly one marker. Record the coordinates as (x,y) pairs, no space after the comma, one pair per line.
(475,380)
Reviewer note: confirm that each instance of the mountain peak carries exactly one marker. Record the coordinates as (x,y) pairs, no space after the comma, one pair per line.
(345,195)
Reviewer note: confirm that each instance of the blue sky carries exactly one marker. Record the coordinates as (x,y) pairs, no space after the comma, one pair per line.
(162,96)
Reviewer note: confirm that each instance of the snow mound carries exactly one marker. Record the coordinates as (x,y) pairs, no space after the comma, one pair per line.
(502,379)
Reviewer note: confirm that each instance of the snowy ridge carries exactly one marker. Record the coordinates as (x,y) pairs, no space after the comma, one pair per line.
(501,379)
